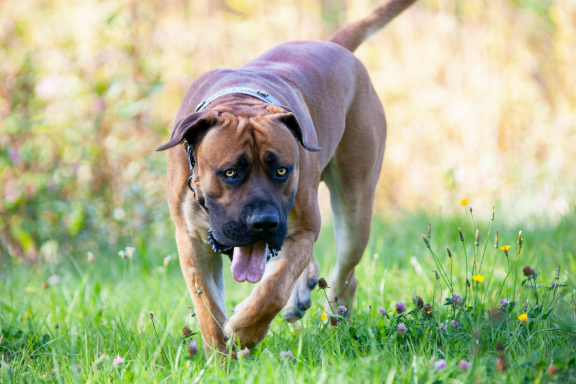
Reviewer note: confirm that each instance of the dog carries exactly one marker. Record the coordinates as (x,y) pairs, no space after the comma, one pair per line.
(257,142)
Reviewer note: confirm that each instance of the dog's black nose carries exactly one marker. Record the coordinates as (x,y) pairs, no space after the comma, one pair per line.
(265,221)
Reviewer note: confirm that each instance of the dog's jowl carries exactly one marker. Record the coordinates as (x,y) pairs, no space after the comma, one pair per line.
(257,141)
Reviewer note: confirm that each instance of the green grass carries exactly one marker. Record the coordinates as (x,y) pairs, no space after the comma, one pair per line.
(71,331)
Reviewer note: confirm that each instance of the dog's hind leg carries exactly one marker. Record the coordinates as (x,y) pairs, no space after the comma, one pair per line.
(300,299)
(351,214)
(351,177)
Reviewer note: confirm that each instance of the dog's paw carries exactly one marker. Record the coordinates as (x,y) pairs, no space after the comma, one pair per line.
(300,300)
(244,334)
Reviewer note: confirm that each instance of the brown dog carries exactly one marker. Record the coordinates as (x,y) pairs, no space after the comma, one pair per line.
(258,141)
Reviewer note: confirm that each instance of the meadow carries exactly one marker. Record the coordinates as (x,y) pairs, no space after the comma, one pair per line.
(480,103)
(88,318)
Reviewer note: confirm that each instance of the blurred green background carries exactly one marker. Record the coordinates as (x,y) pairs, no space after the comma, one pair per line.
(480,99)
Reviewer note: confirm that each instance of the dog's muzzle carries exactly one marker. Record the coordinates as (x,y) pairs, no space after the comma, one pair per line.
(229,251)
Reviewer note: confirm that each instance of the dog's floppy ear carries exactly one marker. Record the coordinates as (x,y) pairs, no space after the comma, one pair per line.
(289,119)
(190,128)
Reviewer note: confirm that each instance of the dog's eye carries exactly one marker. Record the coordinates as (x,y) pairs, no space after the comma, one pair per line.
(230,173)
(281,172)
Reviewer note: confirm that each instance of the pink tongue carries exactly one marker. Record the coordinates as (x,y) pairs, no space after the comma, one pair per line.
(249,262)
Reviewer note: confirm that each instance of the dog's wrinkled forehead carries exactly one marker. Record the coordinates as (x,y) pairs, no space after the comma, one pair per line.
(249,138)
(237,115)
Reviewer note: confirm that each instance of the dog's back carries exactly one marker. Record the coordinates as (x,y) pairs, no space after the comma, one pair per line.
(328,78)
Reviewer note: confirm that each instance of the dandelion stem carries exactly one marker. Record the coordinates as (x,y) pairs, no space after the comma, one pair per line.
(508,274)
(159,343)
(515,267)
(486,244)
(441,269)
(508,262)
(474,265)
(164,328)
(475,302)
(474,271)
(208,308)
(367,317)
(329,302)
(451,281)
(533,286)
(557,278)
(466,257)
(440,312)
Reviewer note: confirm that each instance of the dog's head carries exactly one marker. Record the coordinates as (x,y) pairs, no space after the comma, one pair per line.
(246,176)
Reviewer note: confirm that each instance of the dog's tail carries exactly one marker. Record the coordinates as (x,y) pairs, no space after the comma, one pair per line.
(352,35)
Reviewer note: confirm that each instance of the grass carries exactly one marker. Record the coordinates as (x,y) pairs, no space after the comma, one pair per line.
(71,330)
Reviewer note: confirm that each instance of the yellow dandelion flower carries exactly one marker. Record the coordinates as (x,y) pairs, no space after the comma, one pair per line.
(523,317)
(464,202)
(478,278)
(505,248)
(323,317)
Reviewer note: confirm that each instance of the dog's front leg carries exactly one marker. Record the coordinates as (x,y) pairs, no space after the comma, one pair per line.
(202,267)
(252,317)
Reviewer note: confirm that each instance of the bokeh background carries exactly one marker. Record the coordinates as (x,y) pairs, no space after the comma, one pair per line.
(480,99)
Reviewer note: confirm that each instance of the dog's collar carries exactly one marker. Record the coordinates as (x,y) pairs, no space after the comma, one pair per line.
(254,92)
